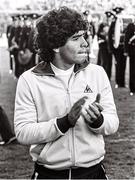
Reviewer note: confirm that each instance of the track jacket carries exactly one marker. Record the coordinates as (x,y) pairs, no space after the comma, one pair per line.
(41,98)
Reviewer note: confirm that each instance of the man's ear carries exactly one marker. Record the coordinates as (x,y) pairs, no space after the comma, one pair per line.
(56,50)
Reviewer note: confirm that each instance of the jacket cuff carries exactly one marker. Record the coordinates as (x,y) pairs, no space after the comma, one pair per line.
(98,122)
(63,124)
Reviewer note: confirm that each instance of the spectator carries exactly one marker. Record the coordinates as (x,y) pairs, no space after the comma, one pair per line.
(6,132)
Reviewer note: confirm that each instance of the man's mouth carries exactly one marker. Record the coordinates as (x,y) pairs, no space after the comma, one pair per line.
(82,52)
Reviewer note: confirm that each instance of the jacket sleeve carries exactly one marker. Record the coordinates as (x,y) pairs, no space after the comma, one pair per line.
(27,129)
(110,118)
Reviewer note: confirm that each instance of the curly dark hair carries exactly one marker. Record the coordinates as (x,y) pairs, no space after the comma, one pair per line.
(54,28)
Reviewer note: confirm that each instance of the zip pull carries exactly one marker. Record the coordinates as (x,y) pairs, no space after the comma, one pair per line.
(69,174)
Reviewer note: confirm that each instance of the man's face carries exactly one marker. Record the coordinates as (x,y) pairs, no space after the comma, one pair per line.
(74,51)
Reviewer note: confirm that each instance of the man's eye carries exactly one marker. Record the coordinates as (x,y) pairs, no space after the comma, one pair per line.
(75,38)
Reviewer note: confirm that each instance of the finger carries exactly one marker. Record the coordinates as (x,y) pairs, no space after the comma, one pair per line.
(77,107)
(77,110)
(84,98)
(87,118)
(91,113)
(81,101)
(98,97)
(99,107)
(94,110)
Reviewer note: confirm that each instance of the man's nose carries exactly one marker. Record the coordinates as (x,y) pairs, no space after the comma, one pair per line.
(84,43)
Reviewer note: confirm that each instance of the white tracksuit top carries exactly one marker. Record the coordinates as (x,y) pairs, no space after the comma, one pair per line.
(41,98)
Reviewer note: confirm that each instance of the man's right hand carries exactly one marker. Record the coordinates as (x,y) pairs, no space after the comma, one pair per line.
(70,119)
(75,111)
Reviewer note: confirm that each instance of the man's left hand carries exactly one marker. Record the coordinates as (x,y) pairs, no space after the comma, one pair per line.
(93,111)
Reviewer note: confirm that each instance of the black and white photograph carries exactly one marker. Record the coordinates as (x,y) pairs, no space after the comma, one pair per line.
(67,89)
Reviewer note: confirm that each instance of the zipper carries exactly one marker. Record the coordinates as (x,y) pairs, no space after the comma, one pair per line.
(72,139)
(72,133)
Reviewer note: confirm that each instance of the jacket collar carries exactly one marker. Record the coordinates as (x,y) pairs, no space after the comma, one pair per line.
(44,68)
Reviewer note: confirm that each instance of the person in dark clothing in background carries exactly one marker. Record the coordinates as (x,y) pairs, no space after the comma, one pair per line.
(15,44)
(10,33)
(6,131)
(31,40)
(118,49)
(90,33)
(130,51)
(104,55)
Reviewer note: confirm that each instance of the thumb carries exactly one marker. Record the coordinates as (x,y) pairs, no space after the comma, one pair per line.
(98,97)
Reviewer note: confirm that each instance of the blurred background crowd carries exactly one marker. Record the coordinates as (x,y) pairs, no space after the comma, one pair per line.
(111,33)
(96,7)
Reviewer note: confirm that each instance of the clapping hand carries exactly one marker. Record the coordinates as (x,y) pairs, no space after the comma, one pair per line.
(93,111)
(75,111)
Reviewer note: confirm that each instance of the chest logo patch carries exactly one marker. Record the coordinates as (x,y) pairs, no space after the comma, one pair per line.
(88,89)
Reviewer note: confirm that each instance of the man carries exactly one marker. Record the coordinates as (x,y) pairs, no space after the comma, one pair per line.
(6,133)
(24,54)
(89,35)
(66,140)
(130,51)
(10,34)
(118,51)
(17,31)
(104,54)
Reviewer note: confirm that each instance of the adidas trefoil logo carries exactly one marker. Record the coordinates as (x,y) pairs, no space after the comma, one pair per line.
(88,89)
